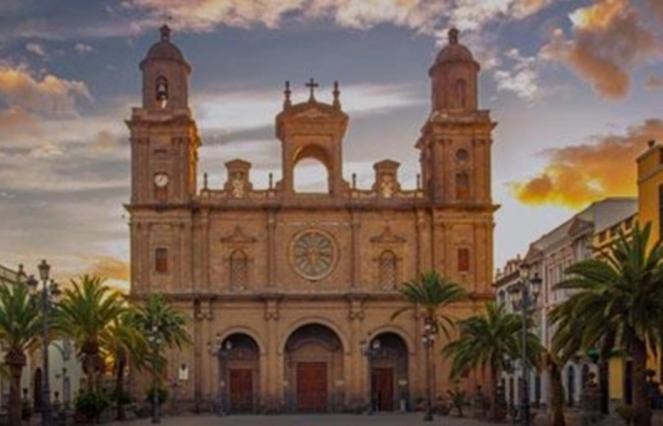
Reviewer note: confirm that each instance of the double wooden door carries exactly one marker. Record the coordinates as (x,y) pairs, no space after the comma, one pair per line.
(312,387)
(382,388)
(241,390)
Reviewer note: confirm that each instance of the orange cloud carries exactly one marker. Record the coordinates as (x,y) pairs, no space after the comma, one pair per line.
(609,41)
(49,95)
(580,174)
(110,268)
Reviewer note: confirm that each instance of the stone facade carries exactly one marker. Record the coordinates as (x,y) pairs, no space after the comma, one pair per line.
(286,290)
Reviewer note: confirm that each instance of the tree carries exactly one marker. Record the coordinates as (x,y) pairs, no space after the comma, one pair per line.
(619,298)
(158,319)
(489,341)
(85,314)
(20,332)
(431,293)
(124,342)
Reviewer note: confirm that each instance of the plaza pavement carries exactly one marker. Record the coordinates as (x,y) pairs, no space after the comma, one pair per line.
(308,420)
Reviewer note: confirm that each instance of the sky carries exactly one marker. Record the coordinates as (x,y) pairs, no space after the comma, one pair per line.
(576,87)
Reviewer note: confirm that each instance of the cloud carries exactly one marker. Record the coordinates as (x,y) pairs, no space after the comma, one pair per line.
(109,267)
(474,14)
(424,16)
(36,49)
(609,40)
(579,174)
(46,96)
(83,48)
(654,82)
(521,77)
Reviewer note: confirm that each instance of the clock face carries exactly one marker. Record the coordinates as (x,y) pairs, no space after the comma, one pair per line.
(161,180)
(313,254)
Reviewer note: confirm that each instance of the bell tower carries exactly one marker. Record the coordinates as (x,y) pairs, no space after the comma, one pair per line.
(164,138)
(312,129)
(455,141)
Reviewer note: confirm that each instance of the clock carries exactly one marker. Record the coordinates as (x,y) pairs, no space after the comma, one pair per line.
(161,180)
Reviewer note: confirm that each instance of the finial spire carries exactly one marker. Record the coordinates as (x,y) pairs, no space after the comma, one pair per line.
(453,35)
(337,94)
(287,103)
(205,180)
(165,32)
(312,85)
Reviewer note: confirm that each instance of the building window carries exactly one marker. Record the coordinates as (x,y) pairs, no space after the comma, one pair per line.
(160,193)
(462,186)
(461,90)
(462,155)
(387,269)
(161,90)
(463,260)
(239,269)
(161,260)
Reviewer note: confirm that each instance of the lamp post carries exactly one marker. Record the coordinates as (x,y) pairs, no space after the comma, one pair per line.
(154,339)
(524,295)
(371,351)
(428,341)
(221,350)
(49,293)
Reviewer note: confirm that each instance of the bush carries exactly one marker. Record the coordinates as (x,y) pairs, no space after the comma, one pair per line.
(162,392)
(92,404)
(122,397)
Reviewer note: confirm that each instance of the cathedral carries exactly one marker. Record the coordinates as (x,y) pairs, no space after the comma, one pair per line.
(291,295)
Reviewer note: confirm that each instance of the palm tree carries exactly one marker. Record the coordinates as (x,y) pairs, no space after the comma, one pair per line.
(490,340)
(124,342)
(157,318)
(431,293)
(20,331)
(85,314)
(619,298)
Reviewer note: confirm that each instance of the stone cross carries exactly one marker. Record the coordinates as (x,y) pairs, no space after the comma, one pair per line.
(312,85)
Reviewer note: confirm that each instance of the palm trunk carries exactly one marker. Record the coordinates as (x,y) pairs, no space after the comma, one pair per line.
(119,386)
(492,391)
(89,367)
(641,406)
(556,393)
(15,401)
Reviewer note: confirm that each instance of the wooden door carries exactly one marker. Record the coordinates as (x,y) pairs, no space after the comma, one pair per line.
(382,385)
(312,387)
(241,390)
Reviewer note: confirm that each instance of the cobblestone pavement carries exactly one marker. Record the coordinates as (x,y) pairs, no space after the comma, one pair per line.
(308,420)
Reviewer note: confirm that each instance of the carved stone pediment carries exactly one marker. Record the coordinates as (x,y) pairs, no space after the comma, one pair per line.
(238,236)
(387,237)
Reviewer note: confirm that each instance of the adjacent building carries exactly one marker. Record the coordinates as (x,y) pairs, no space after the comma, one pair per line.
(291,294)
(65,371)
(549,256)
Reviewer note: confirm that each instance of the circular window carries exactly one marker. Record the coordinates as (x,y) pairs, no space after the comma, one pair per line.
(313,254)
(462,155)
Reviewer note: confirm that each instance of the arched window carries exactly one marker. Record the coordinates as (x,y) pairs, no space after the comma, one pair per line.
(461,93)
(239,269)
(311,176)
(462,155)
(462,186)
(161,90)
(387,269)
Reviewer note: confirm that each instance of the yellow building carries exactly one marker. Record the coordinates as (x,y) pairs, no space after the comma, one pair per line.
(650,210)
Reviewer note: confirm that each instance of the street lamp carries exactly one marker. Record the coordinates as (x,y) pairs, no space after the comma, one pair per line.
(221,350)
(523,296)
(49,295)
(428,341)
(371,351)
(154,339)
